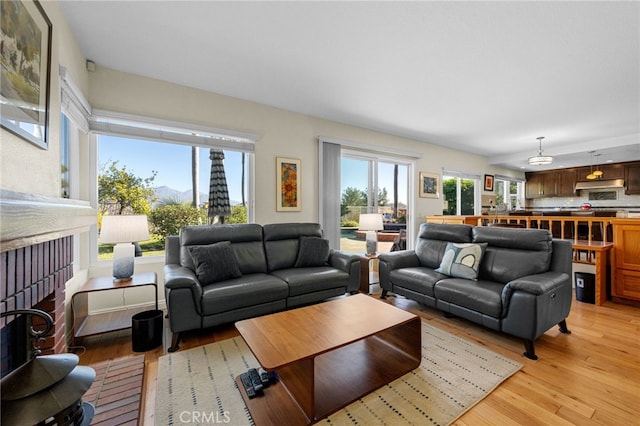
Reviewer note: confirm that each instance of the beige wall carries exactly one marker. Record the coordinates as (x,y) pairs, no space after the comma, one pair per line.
(25,167)
(282,133)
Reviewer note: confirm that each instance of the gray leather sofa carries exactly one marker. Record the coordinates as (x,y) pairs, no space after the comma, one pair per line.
(523,285)
(217,274)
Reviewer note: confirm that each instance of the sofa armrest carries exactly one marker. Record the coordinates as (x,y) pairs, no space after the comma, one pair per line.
(176,276)
(394,260)
(399,259)
(539,283)
(349,263)
(341,260)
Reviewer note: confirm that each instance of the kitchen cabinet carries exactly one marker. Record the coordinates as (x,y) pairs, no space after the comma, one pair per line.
(566,183)
(609,171)
(541,184)
(632,178)
(626,251)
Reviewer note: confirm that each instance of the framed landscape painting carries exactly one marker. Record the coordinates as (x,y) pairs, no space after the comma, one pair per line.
(428,185)
(288,185)
(26,70)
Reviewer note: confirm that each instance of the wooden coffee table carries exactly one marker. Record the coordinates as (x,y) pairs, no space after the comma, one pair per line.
(328,355)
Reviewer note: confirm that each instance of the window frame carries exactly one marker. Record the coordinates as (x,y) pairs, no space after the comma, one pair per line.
(162,131)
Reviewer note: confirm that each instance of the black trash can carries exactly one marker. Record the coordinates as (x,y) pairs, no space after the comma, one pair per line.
(146,330)
(585,287)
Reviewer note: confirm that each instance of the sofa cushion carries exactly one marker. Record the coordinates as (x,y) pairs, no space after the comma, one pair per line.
(239,293)
(309,280)
(462,260)
(480,296)
(313,251)
(282,240)
(513,253)
(215,262)
(433,238)
(245,238)
(418,279)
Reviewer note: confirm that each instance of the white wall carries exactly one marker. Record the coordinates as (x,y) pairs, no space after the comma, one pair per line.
(282,133)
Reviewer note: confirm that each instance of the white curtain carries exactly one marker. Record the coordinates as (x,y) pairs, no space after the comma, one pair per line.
(329,191)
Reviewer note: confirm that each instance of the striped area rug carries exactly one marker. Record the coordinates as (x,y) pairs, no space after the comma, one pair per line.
(453,376)
(116,392)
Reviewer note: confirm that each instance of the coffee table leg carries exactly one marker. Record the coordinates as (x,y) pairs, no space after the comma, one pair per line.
(299,381)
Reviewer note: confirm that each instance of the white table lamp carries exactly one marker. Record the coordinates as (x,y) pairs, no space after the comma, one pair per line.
(371,222)
(123,230)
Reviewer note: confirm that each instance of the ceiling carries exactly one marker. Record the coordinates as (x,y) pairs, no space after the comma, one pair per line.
(482,77)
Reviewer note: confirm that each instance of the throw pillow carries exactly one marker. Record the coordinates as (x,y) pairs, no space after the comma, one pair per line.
(462,260)
(215,262)
(312,251)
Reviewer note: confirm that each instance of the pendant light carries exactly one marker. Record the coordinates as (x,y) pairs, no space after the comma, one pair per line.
(597,172)
(540,160)
(593,175)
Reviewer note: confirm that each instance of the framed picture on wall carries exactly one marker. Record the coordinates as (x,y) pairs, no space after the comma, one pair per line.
(428,185)
(288,185)
(26,70)
(488,182)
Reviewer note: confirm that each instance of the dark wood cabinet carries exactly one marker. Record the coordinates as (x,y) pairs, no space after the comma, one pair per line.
(632,178)
(612,171)
(543,184)
(562,182)
(582,172)
(609,171)
(566,186)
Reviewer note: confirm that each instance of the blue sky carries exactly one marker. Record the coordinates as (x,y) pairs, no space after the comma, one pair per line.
(173,164)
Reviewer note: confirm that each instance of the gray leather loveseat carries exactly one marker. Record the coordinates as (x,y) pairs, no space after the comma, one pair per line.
(217,274)
(522,285)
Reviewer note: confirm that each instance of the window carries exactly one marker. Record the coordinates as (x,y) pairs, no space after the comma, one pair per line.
(65,158)
(164,171)
(509,193)
(370,184)
(461,193)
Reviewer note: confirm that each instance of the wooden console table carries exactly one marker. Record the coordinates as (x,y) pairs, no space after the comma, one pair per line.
(85,324)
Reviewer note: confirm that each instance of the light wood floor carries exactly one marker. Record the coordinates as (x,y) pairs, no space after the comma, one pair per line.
(591,376)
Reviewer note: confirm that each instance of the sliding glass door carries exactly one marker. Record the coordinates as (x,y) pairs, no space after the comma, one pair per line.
(371,184)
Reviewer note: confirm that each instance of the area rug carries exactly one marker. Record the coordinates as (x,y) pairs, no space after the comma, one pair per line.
(116,391)
(453,376)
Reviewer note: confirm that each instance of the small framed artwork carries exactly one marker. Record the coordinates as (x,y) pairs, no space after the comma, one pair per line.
(429,185)
(288,185)
(488,183)
(26,70)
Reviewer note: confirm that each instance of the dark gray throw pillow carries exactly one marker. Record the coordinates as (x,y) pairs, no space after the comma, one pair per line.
(215,262)
(312,251)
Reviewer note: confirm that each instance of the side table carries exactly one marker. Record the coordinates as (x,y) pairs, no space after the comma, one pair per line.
(367,277)
(85,324)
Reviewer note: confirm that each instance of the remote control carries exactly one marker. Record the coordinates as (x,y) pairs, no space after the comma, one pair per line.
(264,376)
(248,385)
(255,379)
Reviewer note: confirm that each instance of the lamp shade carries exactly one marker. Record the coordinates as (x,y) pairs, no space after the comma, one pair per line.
(124,229)
(540,159)
(370,222)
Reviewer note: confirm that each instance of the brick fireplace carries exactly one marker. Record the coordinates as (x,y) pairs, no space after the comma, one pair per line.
(34,277)
(36,260)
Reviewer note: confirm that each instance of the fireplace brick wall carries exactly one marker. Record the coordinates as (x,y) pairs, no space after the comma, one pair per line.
(35,277)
